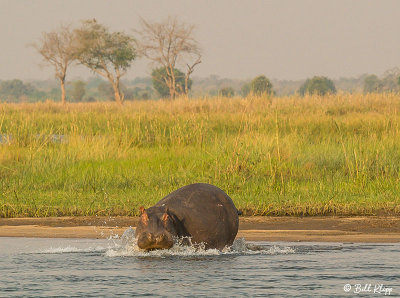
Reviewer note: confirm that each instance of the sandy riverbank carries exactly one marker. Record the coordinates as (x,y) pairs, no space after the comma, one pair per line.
(321,229)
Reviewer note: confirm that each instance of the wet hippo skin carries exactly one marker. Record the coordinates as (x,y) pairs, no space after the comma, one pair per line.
(200,211)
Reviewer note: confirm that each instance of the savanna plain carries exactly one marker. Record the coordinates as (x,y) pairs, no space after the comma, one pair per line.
(298,156)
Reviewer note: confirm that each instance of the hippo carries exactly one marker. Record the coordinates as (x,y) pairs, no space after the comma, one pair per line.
(200,211)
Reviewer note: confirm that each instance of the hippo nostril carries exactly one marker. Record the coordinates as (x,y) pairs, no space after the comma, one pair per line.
(150,241)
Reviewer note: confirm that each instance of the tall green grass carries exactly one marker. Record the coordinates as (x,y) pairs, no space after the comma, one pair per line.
(282,156)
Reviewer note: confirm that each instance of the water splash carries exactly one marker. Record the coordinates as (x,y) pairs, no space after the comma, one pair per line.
(72,249)
(128,247)
(241,246)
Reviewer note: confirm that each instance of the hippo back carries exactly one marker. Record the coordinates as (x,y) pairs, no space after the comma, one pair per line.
(206,212)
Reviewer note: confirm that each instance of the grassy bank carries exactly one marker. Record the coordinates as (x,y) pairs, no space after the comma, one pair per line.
(286,156)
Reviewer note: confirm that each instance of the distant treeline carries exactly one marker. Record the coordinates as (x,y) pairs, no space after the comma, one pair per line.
(174,53)
(142,88)
(93,89)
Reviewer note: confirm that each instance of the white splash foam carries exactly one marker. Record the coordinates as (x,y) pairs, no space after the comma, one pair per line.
(129,248)
(72,249)
(126,246)
(240,245)
(183,251)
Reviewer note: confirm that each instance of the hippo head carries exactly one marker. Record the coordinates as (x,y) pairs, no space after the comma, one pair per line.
(155,229)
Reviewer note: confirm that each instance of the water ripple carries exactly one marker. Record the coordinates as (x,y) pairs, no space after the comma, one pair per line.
(88,267)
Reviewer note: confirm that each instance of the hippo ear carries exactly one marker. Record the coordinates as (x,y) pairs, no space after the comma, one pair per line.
(165,217)
(144,217)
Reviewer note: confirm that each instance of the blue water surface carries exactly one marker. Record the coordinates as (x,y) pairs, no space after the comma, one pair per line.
(38,267)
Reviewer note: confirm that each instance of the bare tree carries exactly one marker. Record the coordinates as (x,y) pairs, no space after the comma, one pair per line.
(106,53)
(56,47)
(170,44)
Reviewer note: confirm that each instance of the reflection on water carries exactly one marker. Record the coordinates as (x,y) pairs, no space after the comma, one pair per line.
(76,267)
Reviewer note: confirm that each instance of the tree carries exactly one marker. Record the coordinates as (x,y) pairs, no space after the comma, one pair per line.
(142,92)
(169,44)
(106,53)
(245,89)
(390,80)
(227,92)
(318,85)
(57,50)
(160,81)
(372,84)
(105,90)
(15,89)
(260,86)
(78,90)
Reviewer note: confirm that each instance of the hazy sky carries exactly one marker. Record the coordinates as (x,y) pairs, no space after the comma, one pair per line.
(240,39)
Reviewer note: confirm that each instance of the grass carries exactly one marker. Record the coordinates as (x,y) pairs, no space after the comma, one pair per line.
(283,156)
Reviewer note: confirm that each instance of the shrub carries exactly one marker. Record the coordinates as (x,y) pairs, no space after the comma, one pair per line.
(318,85)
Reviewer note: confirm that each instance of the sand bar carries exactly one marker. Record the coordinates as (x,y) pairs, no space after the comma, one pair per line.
(320,229)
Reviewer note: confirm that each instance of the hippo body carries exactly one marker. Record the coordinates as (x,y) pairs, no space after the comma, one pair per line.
(200,211)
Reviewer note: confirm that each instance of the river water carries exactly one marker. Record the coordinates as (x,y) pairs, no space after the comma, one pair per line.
(38,267)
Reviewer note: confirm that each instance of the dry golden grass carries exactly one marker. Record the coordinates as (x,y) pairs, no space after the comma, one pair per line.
(337,154)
